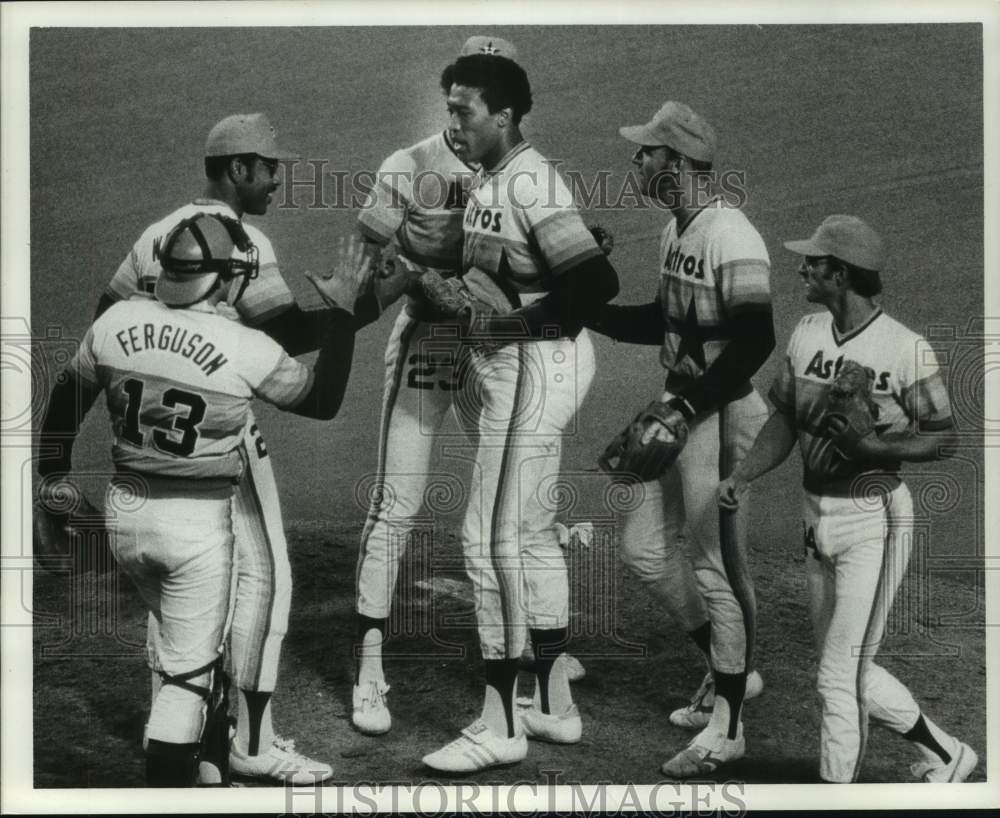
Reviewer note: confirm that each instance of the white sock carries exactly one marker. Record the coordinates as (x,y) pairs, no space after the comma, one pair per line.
(370,663)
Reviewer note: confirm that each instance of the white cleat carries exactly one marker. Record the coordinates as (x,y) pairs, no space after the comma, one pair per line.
(696,714)
(476,749)
(565,728)
(705,754)
(279,762)
(371,712)
(963,762)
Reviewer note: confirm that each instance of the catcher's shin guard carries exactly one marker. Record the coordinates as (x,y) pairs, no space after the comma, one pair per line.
(170,765)
(212,756)
(215,735)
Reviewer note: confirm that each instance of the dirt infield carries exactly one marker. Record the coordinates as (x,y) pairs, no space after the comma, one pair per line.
(881,121)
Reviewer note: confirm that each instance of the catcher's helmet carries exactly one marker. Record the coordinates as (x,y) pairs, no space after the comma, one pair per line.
(197,253)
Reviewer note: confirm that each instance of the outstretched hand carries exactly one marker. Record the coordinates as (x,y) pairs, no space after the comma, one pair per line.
(348,276)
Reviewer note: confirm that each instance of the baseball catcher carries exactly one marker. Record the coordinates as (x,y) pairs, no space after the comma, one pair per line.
(850,411)
(647,447)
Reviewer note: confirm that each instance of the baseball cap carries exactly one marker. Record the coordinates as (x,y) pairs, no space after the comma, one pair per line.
(845,237)
(245,133)
(678,127)
(483,44)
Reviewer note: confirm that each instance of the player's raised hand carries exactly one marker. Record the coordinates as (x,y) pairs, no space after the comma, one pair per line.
(349,274)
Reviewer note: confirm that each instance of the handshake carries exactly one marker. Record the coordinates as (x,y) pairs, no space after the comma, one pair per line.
(364,271)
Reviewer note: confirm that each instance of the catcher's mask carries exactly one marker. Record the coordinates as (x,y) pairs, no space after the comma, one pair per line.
(197,253)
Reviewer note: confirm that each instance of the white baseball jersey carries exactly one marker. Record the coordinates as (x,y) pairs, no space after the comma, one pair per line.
(179,384)
(711,268)
(418,200)
(908,387)
(263,590)
(265,296)
(856,553)
(521,224)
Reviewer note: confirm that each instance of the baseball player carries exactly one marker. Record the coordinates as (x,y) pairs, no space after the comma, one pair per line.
(527,372)
(417,206)
(712,318)
(179,375)
(857,512)
(241,160)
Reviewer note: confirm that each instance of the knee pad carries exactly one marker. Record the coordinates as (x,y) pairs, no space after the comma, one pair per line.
(178,709)
(177,716)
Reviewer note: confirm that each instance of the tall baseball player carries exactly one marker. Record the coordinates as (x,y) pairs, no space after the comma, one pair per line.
(179,375)
(712,318)
(857,513)
(241,160)
(417,206)
(528,370)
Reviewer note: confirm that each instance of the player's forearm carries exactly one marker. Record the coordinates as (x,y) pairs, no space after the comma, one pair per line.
(575,301)
(69,402)
(299,331)
(892,447)
(752,342)
(773,444)
(633,324)
(332,369)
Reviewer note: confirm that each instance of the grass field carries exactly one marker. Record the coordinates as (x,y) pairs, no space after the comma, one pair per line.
(881,121)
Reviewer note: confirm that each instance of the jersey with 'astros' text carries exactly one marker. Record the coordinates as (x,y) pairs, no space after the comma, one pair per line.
(179,384)
(908,387)
(418,200)
(522,226)
(266,296)
(712,268)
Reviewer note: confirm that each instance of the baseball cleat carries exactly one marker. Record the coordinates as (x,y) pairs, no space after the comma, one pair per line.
(476,749)
(696,714)
(565,728)
(705,754)
(371,712)
(280,762)
(963,762)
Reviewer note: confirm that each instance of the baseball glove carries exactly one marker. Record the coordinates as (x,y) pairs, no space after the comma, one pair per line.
(469,299)
(850,411)
(627,460)
(69,532)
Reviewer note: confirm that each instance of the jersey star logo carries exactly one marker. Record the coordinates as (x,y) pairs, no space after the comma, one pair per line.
(489,48)
(690,345)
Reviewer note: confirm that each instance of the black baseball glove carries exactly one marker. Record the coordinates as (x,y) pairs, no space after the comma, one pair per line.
(628,460)
(850,412)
